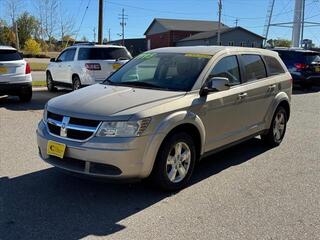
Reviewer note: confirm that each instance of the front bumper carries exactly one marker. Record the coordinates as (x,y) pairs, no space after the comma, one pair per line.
(113,158)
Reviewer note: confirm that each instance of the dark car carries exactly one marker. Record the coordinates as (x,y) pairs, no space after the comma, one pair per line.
(304,66)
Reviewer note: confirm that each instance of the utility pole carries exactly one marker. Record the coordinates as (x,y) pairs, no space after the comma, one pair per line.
(236,21)
(123,17)
(296,31)
(100,22)
(302,20)
(94,34)
(219,24)
(268,21)
(109,35)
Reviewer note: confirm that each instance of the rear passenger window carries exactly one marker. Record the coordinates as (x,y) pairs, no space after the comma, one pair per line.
(227,67)
(273,65)
(9,55)
(254,67)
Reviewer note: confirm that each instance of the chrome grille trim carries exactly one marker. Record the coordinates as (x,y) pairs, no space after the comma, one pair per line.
(72,126)
(64,126)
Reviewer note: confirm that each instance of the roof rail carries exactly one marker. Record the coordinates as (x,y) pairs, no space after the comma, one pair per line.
(85,43)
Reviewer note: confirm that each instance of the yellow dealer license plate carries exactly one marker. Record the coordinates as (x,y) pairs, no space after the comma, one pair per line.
(3,70)
(116,66)
(317,69)
(56,149)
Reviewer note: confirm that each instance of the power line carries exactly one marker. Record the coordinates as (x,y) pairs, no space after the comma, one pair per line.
(85,12)
(149,9)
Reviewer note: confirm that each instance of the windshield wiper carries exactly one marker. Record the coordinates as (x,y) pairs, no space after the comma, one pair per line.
(108,81)
(139,84)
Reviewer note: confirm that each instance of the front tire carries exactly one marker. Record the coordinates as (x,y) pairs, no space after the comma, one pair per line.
(76,83)
(175,162)
(275,134)
(50,83)
(25,94)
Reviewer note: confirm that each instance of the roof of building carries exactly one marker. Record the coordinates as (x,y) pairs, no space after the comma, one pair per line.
(185,25)
(211,34)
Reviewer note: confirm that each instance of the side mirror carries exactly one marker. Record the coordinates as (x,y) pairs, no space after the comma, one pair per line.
(215,84)
(52,59)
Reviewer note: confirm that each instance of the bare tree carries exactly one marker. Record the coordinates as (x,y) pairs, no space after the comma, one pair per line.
(47,16)
(66,23)
(13,9)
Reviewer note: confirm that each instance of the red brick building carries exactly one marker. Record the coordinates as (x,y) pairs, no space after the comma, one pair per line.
(166,32)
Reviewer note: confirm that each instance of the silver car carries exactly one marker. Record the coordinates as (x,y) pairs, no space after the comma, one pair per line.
(165,110)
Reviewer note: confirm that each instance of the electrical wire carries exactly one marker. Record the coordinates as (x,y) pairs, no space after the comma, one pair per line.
(85,12)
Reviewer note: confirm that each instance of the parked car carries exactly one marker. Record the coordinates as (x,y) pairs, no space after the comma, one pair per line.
(166,109)
(84,64)
(15,74)
(304,65)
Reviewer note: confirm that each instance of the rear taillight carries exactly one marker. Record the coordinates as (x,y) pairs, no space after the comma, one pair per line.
(28,69)
(93,66)
(300,66)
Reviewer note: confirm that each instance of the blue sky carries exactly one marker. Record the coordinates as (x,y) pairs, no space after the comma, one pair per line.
(250,13)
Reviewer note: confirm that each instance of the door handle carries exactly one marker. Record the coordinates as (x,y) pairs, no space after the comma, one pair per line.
(242,95)
(272,87)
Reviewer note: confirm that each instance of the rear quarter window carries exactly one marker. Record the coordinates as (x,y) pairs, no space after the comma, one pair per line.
(10,55)
(253,66)
(103,54)
(273,65)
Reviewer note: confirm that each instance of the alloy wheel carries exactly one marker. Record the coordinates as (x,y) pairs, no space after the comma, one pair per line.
(279,126)
(178,162)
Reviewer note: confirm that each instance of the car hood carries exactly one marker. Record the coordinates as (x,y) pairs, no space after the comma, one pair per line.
(106,102)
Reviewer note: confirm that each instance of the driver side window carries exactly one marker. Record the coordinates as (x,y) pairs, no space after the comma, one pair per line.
(62,57)
(227,67)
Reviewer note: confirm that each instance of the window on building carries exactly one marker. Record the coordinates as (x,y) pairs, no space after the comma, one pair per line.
(253,44)
(227,67)
(254,67)
(274,67)
(242,44)
(231,43)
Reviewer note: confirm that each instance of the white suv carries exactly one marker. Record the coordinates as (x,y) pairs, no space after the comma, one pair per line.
(85,64)
(15,74)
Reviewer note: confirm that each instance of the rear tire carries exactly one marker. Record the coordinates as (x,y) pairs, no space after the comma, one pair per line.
(175,162)
(25,94)
(76,83)
(50,83)
(274,136)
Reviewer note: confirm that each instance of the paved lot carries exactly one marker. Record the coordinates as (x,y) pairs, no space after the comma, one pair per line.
(246,192)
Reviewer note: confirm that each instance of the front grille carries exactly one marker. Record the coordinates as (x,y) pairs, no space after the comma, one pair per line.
(71,128)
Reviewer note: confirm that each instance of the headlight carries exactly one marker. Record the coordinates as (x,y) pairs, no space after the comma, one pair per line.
(44,117)
(123,129)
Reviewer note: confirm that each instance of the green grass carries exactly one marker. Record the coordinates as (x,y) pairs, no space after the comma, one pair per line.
(38,66)
(39,83)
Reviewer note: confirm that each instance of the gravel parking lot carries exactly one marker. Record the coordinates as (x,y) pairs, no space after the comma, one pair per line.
(246,192)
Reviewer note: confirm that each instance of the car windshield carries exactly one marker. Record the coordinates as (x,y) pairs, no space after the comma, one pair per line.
(165,71)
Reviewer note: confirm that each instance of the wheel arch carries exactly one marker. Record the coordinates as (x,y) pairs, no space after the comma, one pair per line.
(281,99)
(75,75)
(184,121)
